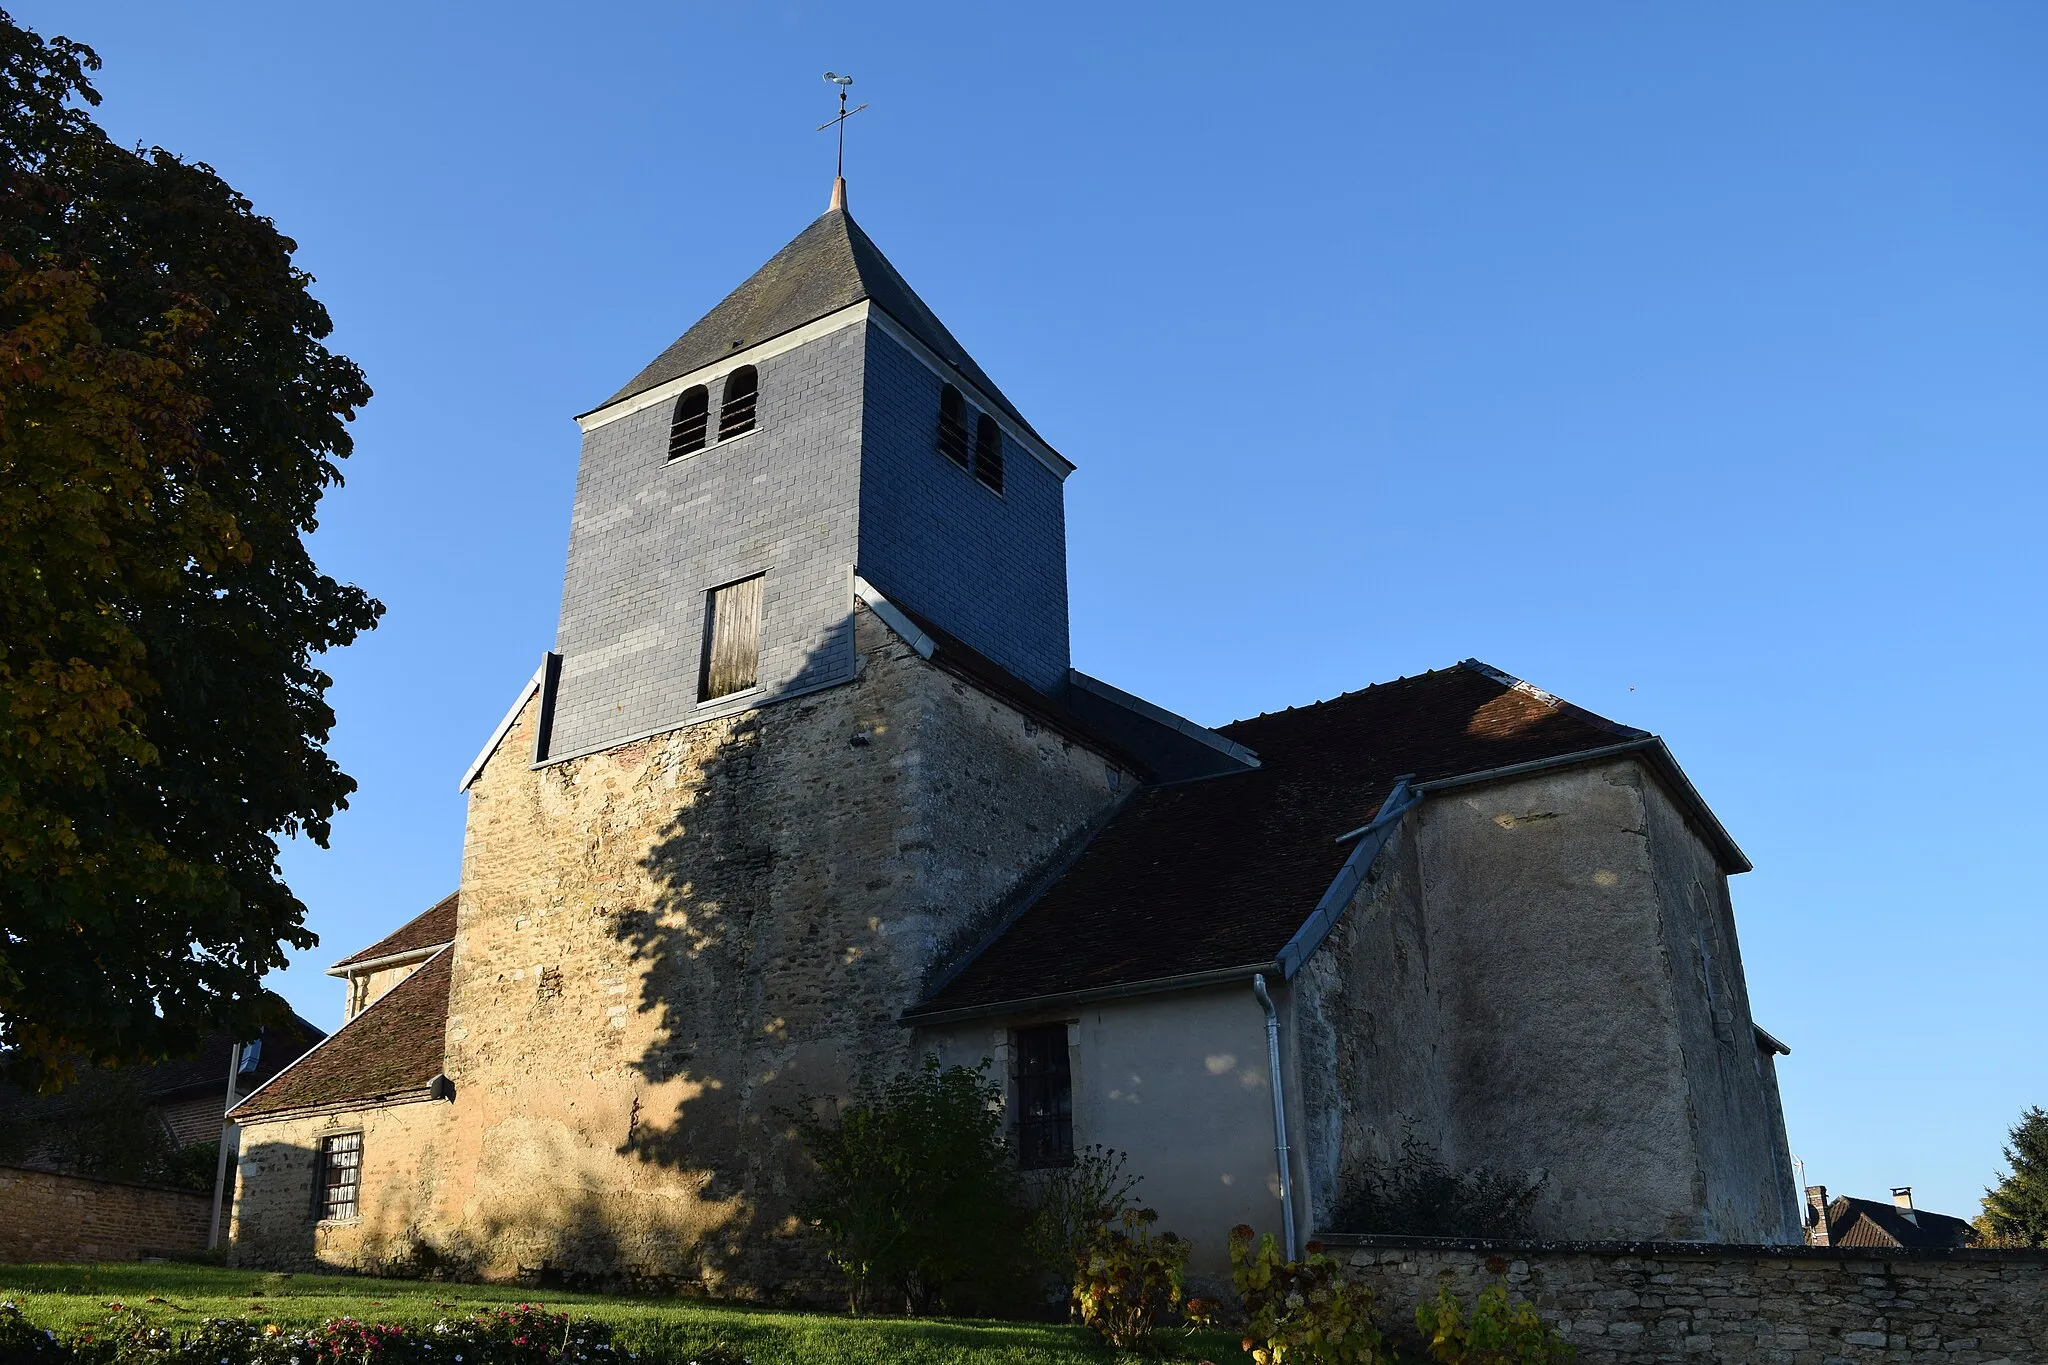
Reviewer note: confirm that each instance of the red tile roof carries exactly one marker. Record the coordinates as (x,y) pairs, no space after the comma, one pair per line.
(1871,1223)
(1218,873)
(429,929)
(392,1050)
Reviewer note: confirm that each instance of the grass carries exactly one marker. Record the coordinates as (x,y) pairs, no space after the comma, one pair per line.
(66,1297)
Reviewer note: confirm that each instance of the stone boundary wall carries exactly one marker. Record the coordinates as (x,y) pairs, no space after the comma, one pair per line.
(1623,1303)
(49,1217)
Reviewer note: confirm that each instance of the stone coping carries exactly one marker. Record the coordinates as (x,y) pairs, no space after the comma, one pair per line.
(1733,1251)
(102,1180)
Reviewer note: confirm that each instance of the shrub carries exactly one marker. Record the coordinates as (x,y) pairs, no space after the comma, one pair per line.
(22,1340)
(1419,1194)
(916,1193)
(1301,1312)
(1497,1333)
(1126,1278)
(1072,1204)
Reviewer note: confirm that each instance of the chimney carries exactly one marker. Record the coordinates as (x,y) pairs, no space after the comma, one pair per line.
(1902,1195)
(1817,1215)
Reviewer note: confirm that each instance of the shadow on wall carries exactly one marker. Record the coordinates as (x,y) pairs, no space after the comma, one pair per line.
(761,961)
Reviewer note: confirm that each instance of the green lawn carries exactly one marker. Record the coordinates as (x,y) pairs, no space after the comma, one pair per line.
(64,1297)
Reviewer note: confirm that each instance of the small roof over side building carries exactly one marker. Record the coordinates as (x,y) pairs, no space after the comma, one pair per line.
(1870,1223)
(391,1052)
(432,928)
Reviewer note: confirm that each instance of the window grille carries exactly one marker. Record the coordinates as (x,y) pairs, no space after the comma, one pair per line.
(686,429)
(952,426)
(339,1177)
(988,452)
(736,413)
(732,639)
(1045,1097)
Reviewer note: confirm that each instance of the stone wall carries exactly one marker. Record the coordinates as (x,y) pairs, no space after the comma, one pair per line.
(663,947)
(1630,1304)
(50,1217)
(409,1153)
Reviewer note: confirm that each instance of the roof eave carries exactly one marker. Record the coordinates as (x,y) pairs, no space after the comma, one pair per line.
(922,1016)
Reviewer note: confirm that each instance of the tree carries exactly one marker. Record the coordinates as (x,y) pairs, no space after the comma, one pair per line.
(2016,1209)
(169,419)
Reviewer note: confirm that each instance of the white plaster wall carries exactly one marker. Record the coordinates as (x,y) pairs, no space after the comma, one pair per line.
(1177,1082)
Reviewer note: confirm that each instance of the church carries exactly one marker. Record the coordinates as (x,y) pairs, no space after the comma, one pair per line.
(809,789)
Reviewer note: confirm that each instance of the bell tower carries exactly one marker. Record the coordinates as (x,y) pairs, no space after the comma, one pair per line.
(819,427)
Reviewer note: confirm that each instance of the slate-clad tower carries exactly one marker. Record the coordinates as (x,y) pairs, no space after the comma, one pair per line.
(875,447)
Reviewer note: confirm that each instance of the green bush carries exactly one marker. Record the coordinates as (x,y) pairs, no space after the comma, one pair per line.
(1301,1312)
(1127,1278)
(916,1196)
(1497,1333)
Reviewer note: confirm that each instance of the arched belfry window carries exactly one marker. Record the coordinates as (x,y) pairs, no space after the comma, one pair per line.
(988,452)
(736,413)
(686,427)
(952,426)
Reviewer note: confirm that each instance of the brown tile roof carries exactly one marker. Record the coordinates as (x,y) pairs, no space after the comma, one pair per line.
(393,1049)
(429,929)
(1219,872)
(1871,1223)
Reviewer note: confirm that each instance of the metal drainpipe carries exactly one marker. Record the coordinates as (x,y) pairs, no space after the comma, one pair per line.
(220,1166)
(1279,1115)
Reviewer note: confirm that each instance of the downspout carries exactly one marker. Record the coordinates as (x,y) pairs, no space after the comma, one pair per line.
(1279,1115)
(220,1165)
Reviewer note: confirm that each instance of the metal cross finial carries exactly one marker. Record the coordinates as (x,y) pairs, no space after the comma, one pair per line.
(844,114)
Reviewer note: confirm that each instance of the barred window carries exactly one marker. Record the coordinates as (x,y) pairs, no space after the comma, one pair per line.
(1045,1097)
(338,1176)
(736,413)
(732,639)
(686,428)
(988,452)
(952,440)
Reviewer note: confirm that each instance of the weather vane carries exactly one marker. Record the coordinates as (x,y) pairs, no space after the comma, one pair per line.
(844,114)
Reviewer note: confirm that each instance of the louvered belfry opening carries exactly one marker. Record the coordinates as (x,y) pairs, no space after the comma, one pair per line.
(736,413)
(732,639)
(988,452)
(687,429)
(953,426)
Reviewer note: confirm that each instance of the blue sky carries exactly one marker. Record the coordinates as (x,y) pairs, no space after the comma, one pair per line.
(1686,361)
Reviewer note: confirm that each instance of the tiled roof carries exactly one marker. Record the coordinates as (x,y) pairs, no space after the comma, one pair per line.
(1871,1223)
(393,1049)
(429,929)
(1218,873)
(830,265)
(207,1072)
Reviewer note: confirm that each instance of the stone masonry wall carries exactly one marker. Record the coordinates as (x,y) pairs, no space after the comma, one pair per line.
(1632,1305)
(411,1160)
(50,1217)
(662,946)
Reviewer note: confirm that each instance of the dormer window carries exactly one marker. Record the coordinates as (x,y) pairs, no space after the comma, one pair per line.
(687,427)
(736,413)
(988,452)
(952,440)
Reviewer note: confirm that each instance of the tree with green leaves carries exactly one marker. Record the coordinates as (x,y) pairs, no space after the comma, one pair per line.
(2016,1208)
(169,419)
